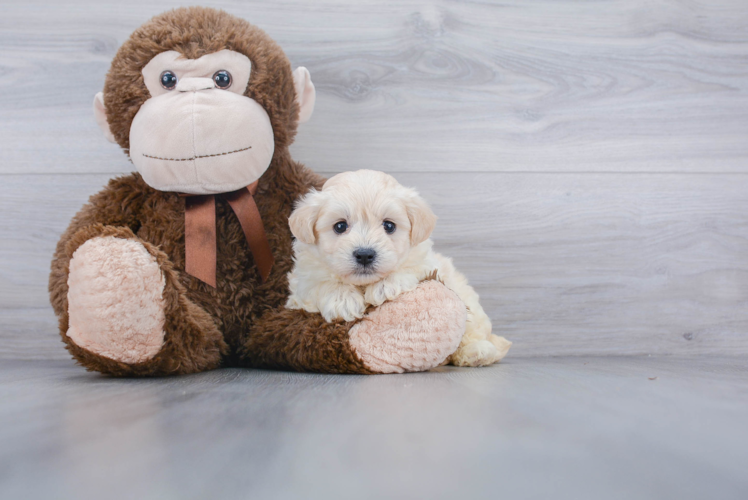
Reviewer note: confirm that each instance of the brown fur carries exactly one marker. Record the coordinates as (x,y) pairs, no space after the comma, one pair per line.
(242,321)
(195,32)
(314,346)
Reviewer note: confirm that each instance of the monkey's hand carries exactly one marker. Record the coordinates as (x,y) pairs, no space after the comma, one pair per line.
(414,332)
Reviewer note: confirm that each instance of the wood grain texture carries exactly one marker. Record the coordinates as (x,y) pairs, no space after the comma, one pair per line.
(624,86)
(582,429)
(565,264)
(587,160)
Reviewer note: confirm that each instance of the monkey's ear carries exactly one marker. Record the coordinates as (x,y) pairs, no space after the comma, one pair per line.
(100,116)
(422,219)
(305,93)
(304,217)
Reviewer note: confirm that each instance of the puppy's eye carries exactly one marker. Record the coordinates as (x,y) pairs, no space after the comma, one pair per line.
(222,79)
(340,227)
(389,226)
(168,80)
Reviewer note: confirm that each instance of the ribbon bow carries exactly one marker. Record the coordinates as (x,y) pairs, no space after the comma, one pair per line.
(200,232)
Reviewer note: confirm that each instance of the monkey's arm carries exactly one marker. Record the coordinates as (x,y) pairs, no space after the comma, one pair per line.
(415,332)
(293,339)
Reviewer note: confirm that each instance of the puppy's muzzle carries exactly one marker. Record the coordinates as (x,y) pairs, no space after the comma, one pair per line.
(365,257)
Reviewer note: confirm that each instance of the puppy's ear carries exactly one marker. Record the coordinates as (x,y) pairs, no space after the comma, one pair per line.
(304,217)
(422,219)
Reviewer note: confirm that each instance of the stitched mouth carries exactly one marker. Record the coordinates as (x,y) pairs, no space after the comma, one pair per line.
(198,156)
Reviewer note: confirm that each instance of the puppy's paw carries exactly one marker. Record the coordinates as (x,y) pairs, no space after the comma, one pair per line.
(345,303)
(389,288)
(478,325)
(479,353)
(502,345)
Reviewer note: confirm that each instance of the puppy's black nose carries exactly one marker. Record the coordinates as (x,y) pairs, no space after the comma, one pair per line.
(365,256)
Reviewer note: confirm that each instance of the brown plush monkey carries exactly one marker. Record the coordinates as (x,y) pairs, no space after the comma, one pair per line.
(182,267)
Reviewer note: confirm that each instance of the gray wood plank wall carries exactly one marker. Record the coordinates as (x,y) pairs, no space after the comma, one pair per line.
(588,160)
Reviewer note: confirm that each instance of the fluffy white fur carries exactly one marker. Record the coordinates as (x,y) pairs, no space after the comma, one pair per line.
(328,279)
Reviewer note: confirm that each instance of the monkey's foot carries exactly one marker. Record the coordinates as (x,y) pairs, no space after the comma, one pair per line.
(415,332)
(115,300)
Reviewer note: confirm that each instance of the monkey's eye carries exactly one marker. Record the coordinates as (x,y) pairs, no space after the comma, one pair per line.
(168,80)
(340,227)
(389,226)
(222,79)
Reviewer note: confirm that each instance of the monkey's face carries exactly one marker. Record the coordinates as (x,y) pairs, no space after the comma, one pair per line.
(199,133)
(202,101)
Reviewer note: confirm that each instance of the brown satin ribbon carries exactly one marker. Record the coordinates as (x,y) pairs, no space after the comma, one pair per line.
(200,232)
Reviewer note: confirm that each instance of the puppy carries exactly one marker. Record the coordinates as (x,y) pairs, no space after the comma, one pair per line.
(364,239)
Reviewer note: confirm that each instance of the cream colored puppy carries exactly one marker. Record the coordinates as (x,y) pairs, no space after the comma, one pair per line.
(364,239)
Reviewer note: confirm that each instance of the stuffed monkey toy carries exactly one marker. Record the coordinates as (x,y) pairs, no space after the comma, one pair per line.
(181,267)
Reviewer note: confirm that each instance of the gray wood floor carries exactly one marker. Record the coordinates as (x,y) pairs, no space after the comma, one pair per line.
(530,428)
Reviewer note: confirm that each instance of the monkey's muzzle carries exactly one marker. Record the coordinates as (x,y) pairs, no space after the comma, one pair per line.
(199,139)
